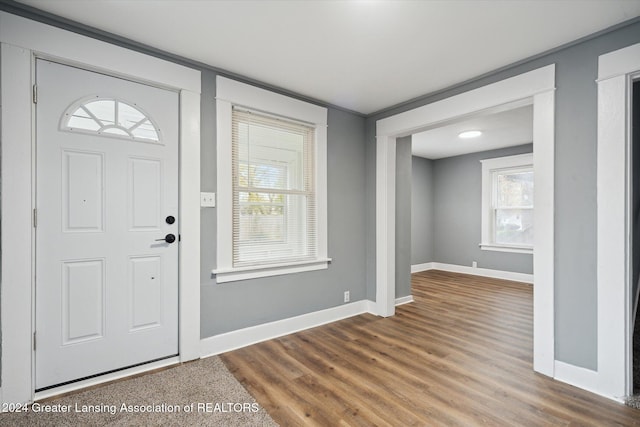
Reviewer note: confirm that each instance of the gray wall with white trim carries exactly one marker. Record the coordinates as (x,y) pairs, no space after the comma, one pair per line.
(351,200)
(422,219)
(456,210)
(575,184)
(403,217)
(235,305)
(230,306)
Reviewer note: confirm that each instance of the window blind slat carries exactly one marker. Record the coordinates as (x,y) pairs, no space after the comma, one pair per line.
(274,207)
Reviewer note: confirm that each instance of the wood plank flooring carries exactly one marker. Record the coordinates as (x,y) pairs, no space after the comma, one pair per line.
(461,354)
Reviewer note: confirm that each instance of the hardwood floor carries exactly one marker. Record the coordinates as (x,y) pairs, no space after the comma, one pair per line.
(461,354)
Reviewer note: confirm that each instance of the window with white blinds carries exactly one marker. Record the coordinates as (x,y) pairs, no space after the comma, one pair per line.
(507,204)
(271,171)
(274,204)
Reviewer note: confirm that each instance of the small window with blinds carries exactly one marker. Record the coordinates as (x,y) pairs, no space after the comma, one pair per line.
(271,171)
(274,202)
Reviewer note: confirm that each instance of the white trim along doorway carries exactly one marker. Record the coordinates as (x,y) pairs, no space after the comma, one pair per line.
(616,72)
(535,88)
(22,41)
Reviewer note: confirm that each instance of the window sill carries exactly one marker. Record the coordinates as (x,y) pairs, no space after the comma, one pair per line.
(224,275)
(506,248)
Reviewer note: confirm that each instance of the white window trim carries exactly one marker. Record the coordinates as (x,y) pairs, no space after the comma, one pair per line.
(231,93)
(488,167)
(506,248)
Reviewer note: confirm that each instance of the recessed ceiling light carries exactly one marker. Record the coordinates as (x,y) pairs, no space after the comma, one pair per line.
(469,134)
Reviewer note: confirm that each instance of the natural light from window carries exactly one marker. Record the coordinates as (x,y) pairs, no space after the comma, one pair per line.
(274,200)
(110,117)
(513,212)
(272,184)
(507,204)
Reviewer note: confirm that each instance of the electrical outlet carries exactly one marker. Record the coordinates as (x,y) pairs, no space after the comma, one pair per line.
(474,264)
(347,297)
(208,200)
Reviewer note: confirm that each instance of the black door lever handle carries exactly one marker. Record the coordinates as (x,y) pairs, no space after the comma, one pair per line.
(169,238)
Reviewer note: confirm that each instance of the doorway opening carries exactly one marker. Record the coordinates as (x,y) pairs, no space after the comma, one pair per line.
(534,87)
(439,181)
(450,225)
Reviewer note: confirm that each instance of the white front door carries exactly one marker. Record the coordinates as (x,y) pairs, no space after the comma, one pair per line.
(106,192)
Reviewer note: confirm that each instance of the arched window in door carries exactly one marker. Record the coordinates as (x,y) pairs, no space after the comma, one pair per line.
(111,118)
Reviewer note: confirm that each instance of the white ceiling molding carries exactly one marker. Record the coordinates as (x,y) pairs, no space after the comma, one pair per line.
(330,51)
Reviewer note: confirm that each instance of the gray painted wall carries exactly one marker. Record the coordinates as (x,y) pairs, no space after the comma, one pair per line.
(370,200)
(403,217)
(445,196)
(422,219)
(575,185)
(457,207)
(229,306)
(449,192)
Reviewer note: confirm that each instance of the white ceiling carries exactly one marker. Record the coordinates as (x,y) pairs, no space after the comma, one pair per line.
(499,130)
(357,54)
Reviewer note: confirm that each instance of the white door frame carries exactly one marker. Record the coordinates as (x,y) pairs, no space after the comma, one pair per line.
(615,69)
(535,87)
(22,40)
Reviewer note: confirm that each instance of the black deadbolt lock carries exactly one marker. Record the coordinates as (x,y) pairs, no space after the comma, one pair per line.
(170,219)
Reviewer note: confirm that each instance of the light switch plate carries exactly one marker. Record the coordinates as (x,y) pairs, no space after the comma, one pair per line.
(208,200)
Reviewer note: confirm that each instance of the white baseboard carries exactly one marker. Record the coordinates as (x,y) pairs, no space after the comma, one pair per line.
(417,268)
(583,378)
(255,334)
(484,272)
(370,306)
(252,335)
(404,300)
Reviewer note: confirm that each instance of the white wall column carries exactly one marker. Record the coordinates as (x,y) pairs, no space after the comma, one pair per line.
(385,225)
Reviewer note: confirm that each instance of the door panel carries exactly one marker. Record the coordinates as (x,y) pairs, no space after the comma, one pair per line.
(107,176)
(145,193)
(146,298)
(82,183)
(82,301)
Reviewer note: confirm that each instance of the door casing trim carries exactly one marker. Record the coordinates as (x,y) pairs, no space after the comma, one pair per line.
(615,72)
(21,41)
(535,87)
